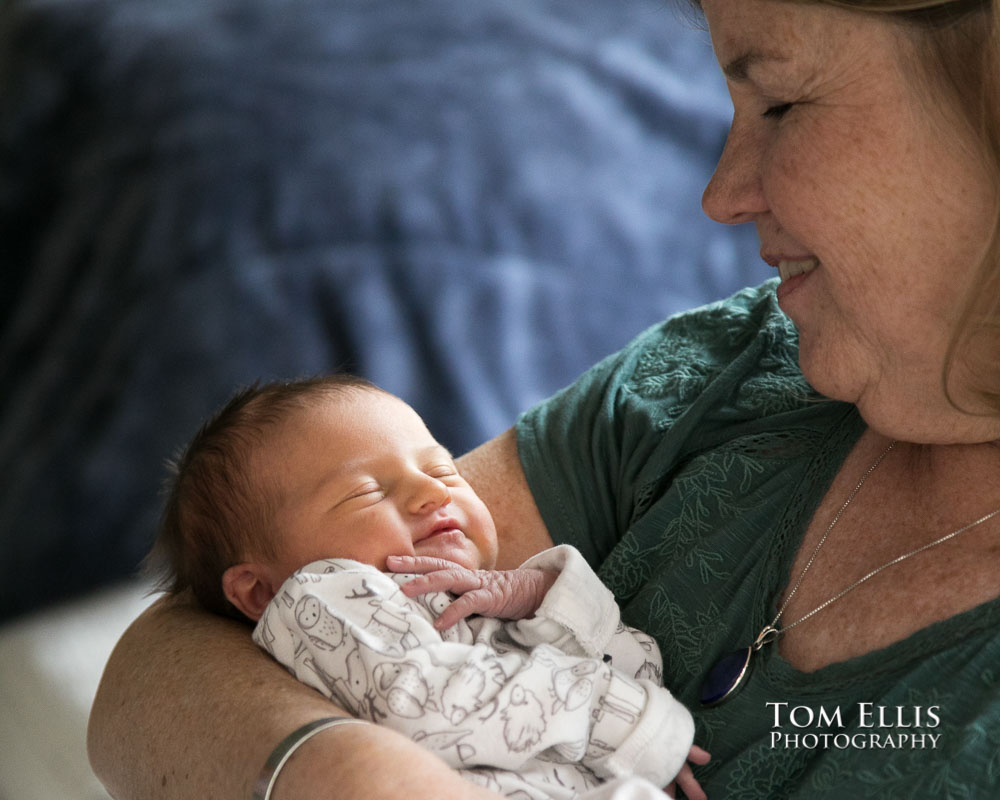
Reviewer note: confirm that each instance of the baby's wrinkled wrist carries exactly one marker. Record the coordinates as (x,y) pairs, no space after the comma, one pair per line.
(543,582)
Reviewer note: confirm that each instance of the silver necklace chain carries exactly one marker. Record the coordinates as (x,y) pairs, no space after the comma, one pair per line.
(772,632)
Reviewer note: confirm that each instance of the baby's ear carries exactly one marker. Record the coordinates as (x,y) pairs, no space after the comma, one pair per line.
(248,587)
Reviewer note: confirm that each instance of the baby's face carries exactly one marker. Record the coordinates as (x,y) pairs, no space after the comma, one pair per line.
(361,477)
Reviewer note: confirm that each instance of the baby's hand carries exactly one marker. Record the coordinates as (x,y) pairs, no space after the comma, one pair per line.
(685,778)
(507,594)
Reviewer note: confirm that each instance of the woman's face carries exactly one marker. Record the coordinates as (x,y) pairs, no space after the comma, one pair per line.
(866,192)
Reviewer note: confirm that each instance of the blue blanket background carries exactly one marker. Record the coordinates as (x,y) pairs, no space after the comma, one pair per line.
(468,201)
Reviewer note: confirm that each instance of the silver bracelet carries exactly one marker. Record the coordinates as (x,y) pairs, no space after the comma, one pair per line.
(272,767)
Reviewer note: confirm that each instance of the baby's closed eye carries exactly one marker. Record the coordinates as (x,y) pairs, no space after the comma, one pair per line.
(370,492)
(442,471)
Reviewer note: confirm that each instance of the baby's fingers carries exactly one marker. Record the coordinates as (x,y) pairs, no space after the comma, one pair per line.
(417,564)
(444,579)
(477,601)
(686,780)
(456,581)
(689,785)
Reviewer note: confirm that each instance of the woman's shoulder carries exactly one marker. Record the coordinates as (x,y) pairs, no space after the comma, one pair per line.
(720,370)
(732,322)
(741,352)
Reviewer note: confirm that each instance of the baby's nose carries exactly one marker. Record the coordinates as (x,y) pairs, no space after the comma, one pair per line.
(428,494)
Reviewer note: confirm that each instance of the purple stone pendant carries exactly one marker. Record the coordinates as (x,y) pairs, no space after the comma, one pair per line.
(726,677)
(730,672)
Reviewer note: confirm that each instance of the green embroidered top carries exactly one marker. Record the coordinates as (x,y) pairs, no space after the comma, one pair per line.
(686,469)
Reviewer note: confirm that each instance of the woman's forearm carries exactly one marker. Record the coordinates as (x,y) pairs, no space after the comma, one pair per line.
(190,708)
(377,762)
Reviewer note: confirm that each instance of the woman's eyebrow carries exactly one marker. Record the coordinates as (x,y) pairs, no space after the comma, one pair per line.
(738,69)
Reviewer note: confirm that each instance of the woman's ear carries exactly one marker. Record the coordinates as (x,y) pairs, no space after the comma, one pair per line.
(248,587)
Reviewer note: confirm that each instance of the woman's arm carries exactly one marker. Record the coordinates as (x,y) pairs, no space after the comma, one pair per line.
(189,707)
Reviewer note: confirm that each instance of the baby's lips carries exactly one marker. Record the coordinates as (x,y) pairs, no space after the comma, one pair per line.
(437,525)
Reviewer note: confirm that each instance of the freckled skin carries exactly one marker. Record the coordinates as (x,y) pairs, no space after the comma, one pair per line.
(867,171)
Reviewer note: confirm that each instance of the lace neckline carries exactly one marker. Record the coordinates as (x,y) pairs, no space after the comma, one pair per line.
(877,665)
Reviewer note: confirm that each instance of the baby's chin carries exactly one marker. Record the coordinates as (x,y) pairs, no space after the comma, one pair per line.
(453,546)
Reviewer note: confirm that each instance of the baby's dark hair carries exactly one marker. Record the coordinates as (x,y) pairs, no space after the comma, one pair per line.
(216,510)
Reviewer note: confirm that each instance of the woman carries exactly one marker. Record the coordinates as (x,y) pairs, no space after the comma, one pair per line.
(837,557)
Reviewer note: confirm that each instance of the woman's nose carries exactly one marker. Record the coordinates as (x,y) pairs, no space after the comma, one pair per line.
(735,194)
(427,494)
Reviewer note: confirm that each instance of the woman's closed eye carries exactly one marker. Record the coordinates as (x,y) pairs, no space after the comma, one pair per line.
(777,111)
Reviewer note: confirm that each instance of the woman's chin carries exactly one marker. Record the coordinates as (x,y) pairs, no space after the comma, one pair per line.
(827,380)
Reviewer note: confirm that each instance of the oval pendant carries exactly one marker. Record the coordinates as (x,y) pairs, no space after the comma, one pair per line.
(726,677)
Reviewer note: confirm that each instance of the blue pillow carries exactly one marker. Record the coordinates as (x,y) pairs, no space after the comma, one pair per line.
(468,202)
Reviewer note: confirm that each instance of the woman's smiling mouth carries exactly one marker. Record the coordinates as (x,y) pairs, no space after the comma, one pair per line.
(789,269)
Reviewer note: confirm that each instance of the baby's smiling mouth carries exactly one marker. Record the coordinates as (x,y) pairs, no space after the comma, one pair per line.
(438,527)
